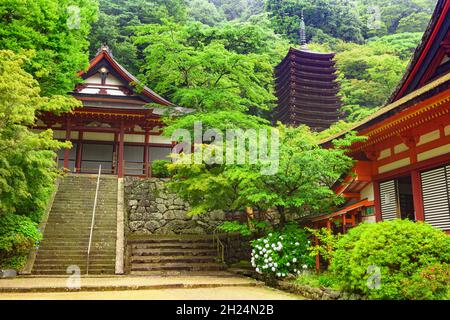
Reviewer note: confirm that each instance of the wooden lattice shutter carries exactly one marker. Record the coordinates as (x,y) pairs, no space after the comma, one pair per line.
(435,192)
(389,200)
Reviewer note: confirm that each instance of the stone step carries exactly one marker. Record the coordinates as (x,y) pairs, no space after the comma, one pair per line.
(63,271)
(172,240)
(173,252)
(168,273)
(43,262)
(178,245)
(177,266)
(172,259)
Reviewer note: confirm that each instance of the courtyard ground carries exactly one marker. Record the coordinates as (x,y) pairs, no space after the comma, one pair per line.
(140,288)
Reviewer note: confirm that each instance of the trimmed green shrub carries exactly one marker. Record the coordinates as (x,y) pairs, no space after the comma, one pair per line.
(379,259)
(433,282)
(18,234)
(159,169)
(282,253)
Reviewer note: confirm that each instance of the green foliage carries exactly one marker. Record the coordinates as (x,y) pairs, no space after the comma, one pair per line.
(160,169)
(401,249)
(235,226)
(54,32)
(27,167)
(245,229)
(119,18)
(326,245)
(210,69)
(306,172)
(430,283)
(337,19)
(301,184)
(312,279)
(282,253)
(18,235)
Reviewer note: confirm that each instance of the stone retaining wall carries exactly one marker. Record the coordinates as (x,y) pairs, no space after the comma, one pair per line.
(152,209)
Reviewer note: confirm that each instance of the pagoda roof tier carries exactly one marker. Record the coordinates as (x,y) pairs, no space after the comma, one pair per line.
(286,90)
(306,82)
(291,109)
(304,61)
(331,116)
(308,104)
(306,68)
(314,123)
(307,54)
(307,98)
(295,110)
(300,75)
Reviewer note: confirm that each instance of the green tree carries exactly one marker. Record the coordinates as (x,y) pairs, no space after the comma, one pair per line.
(57,31)
(301,184)
(27,166)
(118,20)
(338,19)
(27,169)
(208,68)
(204,12)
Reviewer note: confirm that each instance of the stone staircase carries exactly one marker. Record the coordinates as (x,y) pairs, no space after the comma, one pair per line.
(173,255)
(66,234)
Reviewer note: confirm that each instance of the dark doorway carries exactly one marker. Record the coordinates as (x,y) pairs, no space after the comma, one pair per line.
(405,198)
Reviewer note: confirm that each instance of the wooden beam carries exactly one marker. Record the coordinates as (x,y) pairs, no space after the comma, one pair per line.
(67,150)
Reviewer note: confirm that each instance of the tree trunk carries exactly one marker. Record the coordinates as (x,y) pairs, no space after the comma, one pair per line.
(282,216)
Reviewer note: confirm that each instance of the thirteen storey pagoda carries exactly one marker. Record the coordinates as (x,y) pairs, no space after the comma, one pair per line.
(306,88)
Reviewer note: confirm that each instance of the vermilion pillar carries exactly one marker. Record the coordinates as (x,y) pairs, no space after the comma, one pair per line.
(67,150)
(146,159)
(376,192)
(417,195)
(79,152)
(121,147)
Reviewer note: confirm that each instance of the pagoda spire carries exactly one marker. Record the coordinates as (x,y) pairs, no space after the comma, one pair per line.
(302,32)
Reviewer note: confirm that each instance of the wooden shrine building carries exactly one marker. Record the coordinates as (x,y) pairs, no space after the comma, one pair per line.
(114,128)
(306,88)
(402,170)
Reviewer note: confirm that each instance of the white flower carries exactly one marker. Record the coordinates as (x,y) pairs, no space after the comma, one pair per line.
(264,250)
(265,255)
(294,260)
(288,264)
(295,270)
(273,269)
(275,264)
(257,270)
(256,256)
(305,266)
(309,242)
(270,234)
(267,245)
(270,264)
(265,240)
(297,244)
(266,261)
(283,274)
(298,272)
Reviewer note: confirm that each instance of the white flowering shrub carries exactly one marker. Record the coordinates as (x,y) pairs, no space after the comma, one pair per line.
(282,253)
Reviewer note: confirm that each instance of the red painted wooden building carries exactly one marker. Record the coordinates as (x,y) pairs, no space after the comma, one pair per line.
(402,170)
(115,128)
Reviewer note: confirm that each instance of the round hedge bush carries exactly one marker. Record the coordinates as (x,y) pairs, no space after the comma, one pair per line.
(395,252)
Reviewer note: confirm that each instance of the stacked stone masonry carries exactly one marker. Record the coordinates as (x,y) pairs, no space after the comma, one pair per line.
(153,209)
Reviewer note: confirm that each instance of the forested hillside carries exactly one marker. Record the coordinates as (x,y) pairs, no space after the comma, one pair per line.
(166,43)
